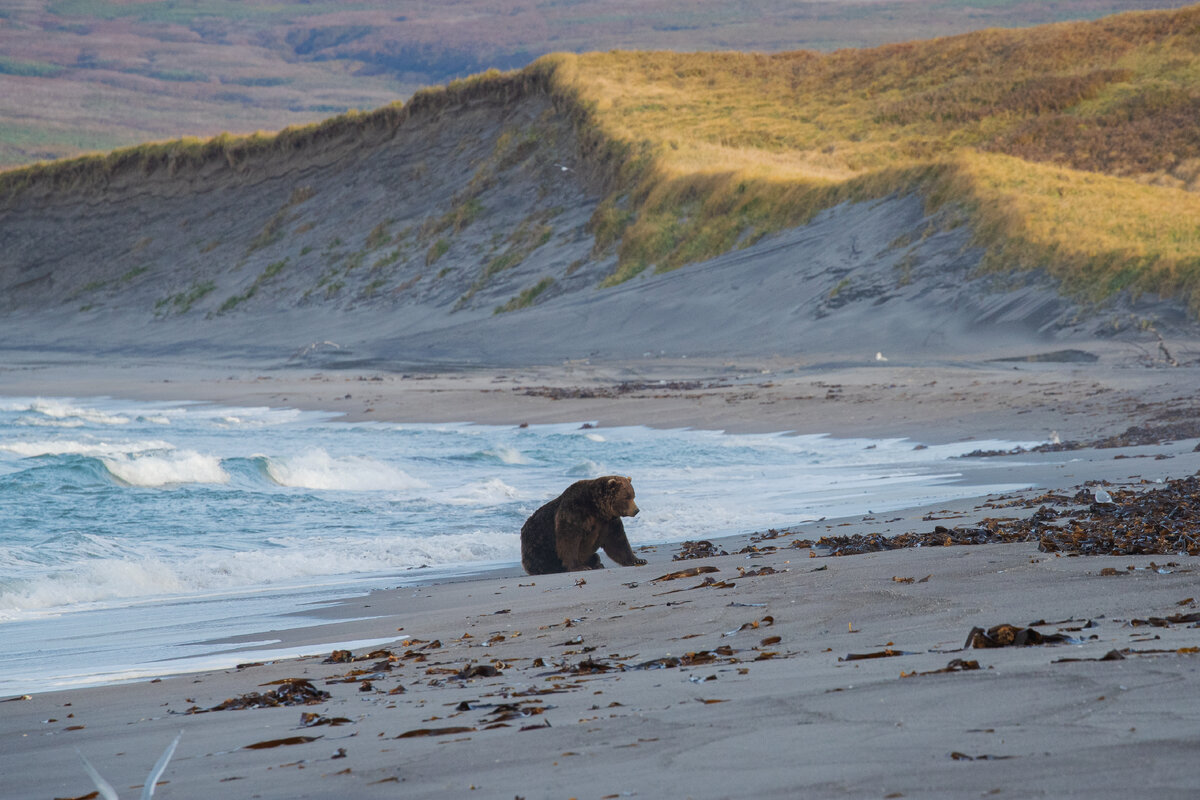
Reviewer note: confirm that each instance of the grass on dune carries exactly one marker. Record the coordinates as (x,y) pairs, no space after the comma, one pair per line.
(1072,147)
(1075,147)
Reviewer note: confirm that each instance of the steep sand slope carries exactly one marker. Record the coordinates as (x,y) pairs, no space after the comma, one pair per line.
(458,232)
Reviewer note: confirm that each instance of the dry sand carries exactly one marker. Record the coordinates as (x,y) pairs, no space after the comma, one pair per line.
(769,706)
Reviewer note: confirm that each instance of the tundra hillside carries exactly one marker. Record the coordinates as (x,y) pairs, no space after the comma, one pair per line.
(1053,170)
(85,75)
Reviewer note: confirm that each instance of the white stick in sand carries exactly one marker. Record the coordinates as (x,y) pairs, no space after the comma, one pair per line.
(109,793)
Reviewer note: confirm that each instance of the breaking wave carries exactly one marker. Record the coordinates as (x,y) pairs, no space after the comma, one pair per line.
(316,469)
(182,467)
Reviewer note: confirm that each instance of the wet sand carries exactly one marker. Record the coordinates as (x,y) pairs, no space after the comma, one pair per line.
(732,682)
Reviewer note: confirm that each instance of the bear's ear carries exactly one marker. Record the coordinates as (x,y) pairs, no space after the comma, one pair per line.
(612,482)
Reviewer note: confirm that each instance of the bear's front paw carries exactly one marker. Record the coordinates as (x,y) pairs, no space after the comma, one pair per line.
(639,562)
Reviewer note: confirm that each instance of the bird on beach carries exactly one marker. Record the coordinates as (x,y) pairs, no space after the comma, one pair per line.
(109,793)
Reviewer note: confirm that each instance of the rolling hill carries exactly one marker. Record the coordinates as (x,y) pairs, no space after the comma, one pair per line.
(86,75)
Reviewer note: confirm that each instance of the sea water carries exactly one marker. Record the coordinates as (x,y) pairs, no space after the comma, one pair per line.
(137,538)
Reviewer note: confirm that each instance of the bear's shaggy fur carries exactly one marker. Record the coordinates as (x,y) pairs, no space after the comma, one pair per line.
(565,534)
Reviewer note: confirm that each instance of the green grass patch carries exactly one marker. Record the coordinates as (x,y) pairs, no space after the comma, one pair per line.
(379,236)
(182,302)
(436,251)
(527,297)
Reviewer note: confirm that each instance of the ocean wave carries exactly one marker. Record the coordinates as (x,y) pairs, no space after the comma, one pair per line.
(316,469)
(288,561)
(82,447)
(90,582)
(182,467)
(482,493)
(507,455)
(586,469)
(64,414)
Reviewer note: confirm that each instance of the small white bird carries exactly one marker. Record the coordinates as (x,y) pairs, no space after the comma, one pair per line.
(109,793)
(1054,438)
(880,357)
(1103,496)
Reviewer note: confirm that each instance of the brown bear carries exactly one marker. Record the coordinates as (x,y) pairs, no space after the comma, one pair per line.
(565,534)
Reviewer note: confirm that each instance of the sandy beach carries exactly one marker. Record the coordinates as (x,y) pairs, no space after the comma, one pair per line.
(777,671)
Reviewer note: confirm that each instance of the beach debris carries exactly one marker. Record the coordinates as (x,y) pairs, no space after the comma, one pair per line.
(1111,655)
(628,388)
(346,657)
(1164,520)
(290,692)
(290,740)
(957,756)
(1166,622)
(109,793)
(886,653)
(765,622)
(1005,635)
(435,731)
(701,548)
(955,665)
(311,720)
(707,583)
(504,713)
(754,573)
(477,671)
(690,572)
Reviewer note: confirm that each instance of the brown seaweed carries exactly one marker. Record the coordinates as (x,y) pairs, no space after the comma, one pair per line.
(697,549)
(690,572)
(955,665)
(290,692)
(269,743)
(1005,635)
(435,731)
(1159,521)
(886,653)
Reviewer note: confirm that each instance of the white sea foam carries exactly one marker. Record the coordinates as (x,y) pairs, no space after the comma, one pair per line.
(287,561)
(594,437)
(91,582)
(482,493)
(65,412)
(508,455)
(316,469)
(185,466)
(82,447)
(586,469)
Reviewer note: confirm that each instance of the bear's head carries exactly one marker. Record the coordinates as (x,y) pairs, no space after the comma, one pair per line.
(615,496)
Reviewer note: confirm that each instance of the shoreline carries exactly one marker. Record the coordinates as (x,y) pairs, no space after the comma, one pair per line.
(684,682)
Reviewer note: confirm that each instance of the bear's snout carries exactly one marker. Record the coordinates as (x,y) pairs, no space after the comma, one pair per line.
(633,510)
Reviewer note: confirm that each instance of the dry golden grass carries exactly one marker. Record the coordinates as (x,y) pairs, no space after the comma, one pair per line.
(1073,147)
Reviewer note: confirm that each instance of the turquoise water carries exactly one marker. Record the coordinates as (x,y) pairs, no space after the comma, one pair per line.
(133,533)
